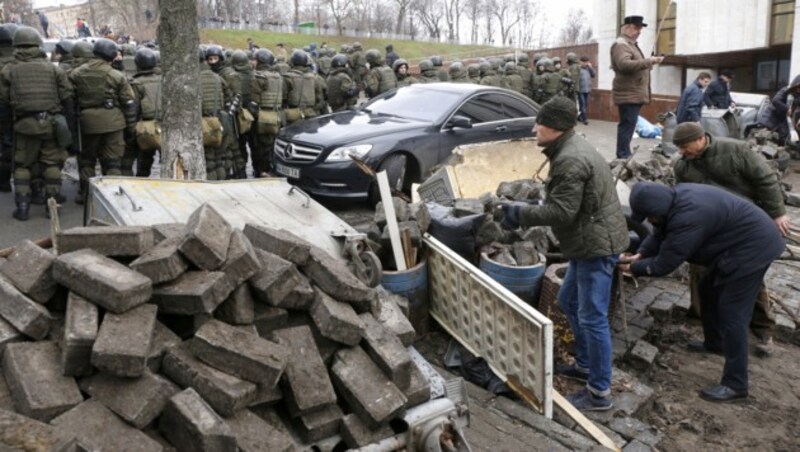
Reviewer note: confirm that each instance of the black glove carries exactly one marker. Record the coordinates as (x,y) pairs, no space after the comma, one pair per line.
(511,216)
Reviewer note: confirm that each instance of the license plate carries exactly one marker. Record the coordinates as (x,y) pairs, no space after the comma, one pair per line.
(287,171)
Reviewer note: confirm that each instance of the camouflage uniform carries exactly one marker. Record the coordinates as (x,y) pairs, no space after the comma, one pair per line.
(489,76)
(403,79)
(268,92)
(512,80)
(428,73)
(302,90)
(215,95)
(6,148)
(380,78)
(457,73)
(146,85)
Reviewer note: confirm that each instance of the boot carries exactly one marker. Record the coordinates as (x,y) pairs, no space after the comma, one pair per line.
(38,196)
(23,207)
(5,179)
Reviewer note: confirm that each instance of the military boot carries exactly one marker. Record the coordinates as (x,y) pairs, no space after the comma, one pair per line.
(23,207)
(5,179)
(38,196)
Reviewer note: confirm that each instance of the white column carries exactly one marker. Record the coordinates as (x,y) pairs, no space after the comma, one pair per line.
(606,31)
(795,66)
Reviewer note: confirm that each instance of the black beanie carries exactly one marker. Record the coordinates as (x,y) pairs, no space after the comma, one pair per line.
(686,133)
(558,113)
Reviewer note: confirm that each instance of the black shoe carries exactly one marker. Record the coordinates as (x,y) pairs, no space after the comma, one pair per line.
(697,346)
(572,372)
(22,213)
(722,393)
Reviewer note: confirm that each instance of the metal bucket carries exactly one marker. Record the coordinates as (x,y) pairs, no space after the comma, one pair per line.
(412,284)
(525,282)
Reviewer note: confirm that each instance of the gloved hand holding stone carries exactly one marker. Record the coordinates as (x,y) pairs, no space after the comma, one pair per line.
(511,215)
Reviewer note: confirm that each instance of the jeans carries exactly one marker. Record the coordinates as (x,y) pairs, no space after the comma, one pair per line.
(583,102)
(584,297)
(628,115)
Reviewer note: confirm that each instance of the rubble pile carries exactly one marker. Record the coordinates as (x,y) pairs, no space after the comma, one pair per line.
(197,337)
(657,169)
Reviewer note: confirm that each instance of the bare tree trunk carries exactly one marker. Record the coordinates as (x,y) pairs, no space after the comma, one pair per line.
(182,155)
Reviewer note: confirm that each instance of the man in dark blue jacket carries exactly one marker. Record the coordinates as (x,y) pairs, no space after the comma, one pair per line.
(691,105)
(735,239)
(718,93)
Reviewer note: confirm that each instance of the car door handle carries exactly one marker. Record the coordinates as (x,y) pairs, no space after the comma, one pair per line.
(501,128)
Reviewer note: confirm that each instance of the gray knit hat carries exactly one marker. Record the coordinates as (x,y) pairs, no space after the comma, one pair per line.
(687,132)
(558,113)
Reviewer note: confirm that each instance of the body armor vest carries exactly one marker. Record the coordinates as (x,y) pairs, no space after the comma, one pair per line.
(34,87)
(211,88)
(245,82)
(272,96)
(387,79)
(303,92)
(91,87)
(151,101)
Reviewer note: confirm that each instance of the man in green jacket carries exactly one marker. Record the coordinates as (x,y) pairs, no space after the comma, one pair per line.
(584,212)
(732,165)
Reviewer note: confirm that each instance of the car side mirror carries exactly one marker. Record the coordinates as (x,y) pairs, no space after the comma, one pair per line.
(462,122)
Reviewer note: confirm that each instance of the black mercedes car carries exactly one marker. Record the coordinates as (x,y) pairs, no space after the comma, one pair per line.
(406,131)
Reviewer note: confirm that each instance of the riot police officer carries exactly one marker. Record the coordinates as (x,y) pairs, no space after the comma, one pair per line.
(489,76)
(342,90)
(438,63)
(146,85)
(428,73)
(244,72)
(511,79)
(400,68)
(216,97)
(267,94)
(301,97)
(380,78)
(457,73)
(6,147)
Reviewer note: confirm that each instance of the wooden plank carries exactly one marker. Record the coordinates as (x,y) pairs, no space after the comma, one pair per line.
(391,220)
(583,422)
(405,239)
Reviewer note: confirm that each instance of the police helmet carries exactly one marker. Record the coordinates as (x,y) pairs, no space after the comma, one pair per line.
(299,58)
(436,60)
(511,68)
(7,34)
(485,67)
(27,37)
(556,60)
(474,70)
(339,60)
(64,46)
(215,50)
(399,62)
(239,58)
(105,49)
(523,58)
(572,57)
(356,45)
(264,56)
(456,68)
(373,57)
(425,65)
(145,59)
(82,49)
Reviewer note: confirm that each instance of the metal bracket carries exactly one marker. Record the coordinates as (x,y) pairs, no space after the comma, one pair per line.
(121,192)
(308,198)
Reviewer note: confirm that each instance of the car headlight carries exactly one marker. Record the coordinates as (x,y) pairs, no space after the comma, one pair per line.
(343,153)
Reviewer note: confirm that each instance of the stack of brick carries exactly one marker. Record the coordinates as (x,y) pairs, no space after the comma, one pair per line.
(198,337)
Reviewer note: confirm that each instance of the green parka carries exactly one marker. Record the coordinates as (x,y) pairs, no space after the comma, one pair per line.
(582,206)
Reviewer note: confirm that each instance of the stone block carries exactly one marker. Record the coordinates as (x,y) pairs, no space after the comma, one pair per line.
(419,390)
(116,241)
(138,401)
(280,242)
(320,424)
(102,281)
(325,346)
(387,351)
(24,314)
(368,392)
(38,387)
(254,434)
(8,334)
(279,283)
(18,432)
(123,343)
(401,211)
(225,393)
(207,238)
(682,305)
(239,308)
(642,299)
(390,315)
(241,262)
(525,253)
(80,332)
(194,292)
(163,339)
(305,382)
(268,319)
(464,207)
(355,432)
(636,446)
(238,353)
(29,268)
(419,213)
(633,429)
(642,355)
(333,277)
(336,320)
(490,232)
(190,424)
(163,262)
(165,231)
(266,395)
(661,309)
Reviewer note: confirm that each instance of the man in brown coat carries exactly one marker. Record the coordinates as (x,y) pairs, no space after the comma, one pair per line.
(631,87)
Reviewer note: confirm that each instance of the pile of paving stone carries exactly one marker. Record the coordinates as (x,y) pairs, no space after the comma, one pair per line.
(197,337)
(656,169)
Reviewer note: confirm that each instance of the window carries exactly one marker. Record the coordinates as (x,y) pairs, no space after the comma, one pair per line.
(666,20)
(782,22)
(483,108)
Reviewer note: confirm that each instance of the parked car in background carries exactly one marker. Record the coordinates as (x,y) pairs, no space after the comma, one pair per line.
(406,131)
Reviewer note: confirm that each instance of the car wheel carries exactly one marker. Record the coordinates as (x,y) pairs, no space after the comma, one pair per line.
(395,167)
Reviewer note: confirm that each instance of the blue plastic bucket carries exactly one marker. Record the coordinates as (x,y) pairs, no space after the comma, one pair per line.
(525,282)
(412,284)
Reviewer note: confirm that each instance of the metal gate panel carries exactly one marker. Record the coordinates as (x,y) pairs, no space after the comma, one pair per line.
(491,322)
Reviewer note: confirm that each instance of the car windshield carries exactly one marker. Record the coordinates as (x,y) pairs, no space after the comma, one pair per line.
(414,103)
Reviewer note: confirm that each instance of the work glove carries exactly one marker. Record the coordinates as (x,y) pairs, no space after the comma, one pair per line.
(511,215)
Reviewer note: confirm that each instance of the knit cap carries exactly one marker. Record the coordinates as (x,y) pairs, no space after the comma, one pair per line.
(558,113)
(686,133)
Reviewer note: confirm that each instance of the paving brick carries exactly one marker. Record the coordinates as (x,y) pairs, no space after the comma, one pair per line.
(163,339)
(136,400)
(163,262)
(280,242)
(335,320)
(117,241)
(325,346)
(102,280)
(305,382)
(38,387)
(387,351)
(190,424)
(419,212)
(642,355)
(642,299)
(239,308)
(97,428)
(355,432)
(368,392)
(279,283)
(254,434)
(626,402)
(466,206)
(18,432)
(224,392)
(266,395)
(419,390)
(636,446)
(207,238)
(242,261)
(333,277)
(194,292)
(24,314)
(268,319)
(80,332)
(526,254)
(164,231)
(8,334)
(123,343)
(633,429)
(29,268)
(320,424)
(390,315)
(245,355)
(401,211)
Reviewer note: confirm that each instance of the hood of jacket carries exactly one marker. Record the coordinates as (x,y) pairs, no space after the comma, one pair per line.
(649,199)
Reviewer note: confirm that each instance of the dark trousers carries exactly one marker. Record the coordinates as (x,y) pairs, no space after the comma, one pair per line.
(583,102)
(628,115)
(726,313)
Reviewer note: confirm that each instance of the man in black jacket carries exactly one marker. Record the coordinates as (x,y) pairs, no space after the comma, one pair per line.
(718,93)
(735,239)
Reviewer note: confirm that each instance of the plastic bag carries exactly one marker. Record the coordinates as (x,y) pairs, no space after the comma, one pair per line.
(646,129)
(458,234)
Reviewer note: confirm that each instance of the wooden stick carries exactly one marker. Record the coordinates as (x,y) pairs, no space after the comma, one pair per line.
(43,243)
(405,239)
(583,421)
(391,221)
